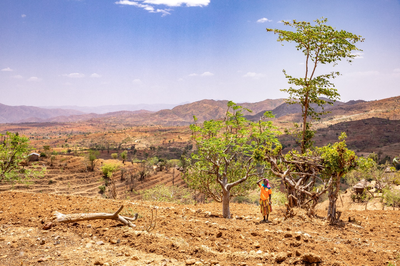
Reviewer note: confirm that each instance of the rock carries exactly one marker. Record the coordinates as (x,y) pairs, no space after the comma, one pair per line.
(213,262)
(88,245)
(280,257)
(134,257)
(254,233)
(113,241)
(99,243)
(98,262)
(42,259)
(219,234)
(47,226)
(287,235)
(42,242)
(190,262)
(311,258)
(199,263)
(259,252)
(257,245)
(89,226)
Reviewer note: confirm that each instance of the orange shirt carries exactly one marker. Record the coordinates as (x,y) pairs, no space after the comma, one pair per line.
(265,192)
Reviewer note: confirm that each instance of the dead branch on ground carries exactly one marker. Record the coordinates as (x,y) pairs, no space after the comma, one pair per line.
(76,217)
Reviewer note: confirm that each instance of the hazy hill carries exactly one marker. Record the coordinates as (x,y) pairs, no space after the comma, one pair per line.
(13,114)
(179,115)
(116,108)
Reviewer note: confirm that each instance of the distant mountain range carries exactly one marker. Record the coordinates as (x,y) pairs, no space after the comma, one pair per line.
(116,108)
(13,114)
(203,110)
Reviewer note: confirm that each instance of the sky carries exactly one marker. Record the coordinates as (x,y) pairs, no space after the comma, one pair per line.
(112,52)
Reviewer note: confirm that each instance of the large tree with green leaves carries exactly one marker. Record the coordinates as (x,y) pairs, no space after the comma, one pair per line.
(13,152)
(226,162)
(321,44)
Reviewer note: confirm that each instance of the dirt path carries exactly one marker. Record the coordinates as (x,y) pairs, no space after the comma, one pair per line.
(186,234)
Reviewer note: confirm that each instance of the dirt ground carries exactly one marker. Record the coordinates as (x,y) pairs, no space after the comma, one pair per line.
(187,235)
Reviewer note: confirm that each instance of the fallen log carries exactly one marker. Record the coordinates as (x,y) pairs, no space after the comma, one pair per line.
(76,217)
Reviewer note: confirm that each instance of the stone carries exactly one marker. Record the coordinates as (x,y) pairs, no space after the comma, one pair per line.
(259,252)
(257,245)
(134,257)
(190,261)
(47,226)
(42,242)
(99,243)
(219,234)
(113,241)
(214,262)
(311,258)
(88,245)
(98,262)
(287,235)
(280,257)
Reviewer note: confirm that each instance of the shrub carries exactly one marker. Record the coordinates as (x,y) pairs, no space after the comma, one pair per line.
(102,189)
(109,168)
(178,195)
(392,197)
(114,155)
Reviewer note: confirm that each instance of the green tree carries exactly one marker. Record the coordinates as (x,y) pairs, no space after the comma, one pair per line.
(123,156)
(92,157)
(321,44)
(114,155)
(226,161)
(13,151)
(337,161)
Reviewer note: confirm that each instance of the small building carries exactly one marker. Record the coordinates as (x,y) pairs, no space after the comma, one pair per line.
(33,157)
(360,186)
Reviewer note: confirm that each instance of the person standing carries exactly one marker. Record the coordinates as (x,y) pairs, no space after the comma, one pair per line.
(265,198)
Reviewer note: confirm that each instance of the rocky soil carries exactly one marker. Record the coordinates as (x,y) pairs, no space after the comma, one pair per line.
(187,235)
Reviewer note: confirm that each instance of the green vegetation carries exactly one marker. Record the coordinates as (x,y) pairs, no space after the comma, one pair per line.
(13,153)
(226,163)
(321,45)
(114,155)
(109,168)
(92,157)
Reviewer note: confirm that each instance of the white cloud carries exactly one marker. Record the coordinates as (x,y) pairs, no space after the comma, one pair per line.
(253,75)
(95,75)
(136,81)
(23,16)
(17,77)
(7,69)
(207,74)
(148,5)
(149,8)
(263,20)
(74,75)
(34,79)
(396,70)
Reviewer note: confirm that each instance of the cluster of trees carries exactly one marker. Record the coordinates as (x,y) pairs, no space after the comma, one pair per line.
(233,153)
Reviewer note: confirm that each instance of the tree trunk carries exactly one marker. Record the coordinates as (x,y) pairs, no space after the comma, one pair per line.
(225,204)
(76,217)
(333,196)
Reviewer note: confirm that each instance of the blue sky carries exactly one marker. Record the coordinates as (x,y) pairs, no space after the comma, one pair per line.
(100,52)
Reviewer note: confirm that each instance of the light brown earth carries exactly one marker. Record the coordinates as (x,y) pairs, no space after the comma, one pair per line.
(189,232)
